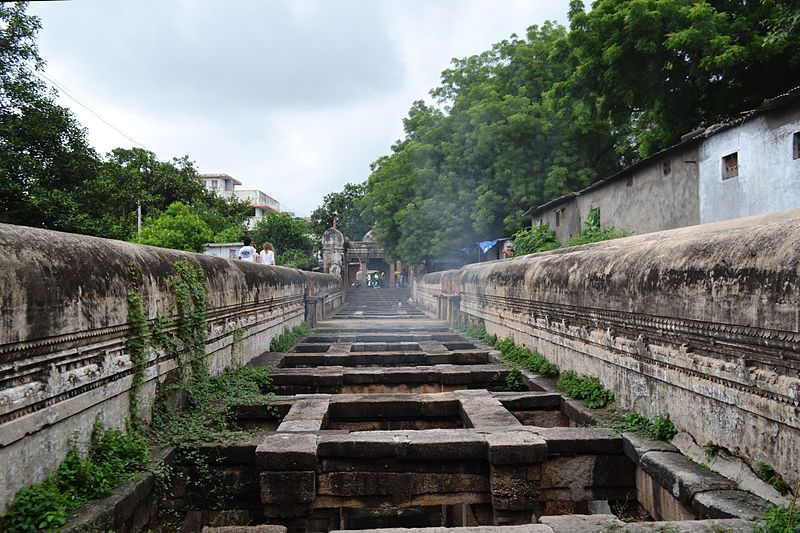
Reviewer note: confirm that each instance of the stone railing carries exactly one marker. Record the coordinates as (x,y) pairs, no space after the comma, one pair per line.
(702,323)
(64,325)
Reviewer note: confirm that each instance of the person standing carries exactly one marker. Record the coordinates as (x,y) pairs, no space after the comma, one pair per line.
(247,252)
(268,254)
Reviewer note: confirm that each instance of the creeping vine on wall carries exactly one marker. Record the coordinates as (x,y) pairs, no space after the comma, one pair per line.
(137,345)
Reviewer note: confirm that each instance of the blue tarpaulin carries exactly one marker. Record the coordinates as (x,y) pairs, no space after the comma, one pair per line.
(488,245)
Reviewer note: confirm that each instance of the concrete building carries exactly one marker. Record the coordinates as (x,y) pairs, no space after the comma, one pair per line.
(749,166)
(225,185)
(228,250)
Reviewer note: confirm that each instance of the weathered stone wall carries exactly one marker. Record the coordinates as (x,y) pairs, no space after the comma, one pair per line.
(64,325)
(702,323)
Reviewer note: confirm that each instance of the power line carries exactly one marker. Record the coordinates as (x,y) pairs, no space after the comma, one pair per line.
(69,94)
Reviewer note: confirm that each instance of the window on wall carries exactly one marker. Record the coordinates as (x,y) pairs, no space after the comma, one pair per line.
(213,184)
(560,216)
(666,167)
(796,145)
(730,166)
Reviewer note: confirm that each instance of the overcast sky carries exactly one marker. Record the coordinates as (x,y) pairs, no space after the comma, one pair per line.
(295,98)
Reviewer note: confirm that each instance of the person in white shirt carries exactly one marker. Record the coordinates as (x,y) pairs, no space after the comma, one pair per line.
(247,252)
(268,254)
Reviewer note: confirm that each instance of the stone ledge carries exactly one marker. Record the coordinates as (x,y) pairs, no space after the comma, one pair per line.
(635,446)
(287,452)
(680,476)
(729,504)
(573,441)
(515,447)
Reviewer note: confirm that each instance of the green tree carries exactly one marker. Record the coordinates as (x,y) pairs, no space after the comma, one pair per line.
(348,208)
(44,155)
(656,69)
(179,227)
(292,238)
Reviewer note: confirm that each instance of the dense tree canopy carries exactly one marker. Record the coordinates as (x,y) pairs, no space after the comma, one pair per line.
(536,117)
(292,238)
(178,227)
(348,208)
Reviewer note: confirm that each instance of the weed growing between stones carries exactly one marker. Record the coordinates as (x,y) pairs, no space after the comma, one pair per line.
(659,428)
(111,457)
(768,474)
(780,518)
(286,340)
(525,357)
(710,449)
(514,380)
(586,388)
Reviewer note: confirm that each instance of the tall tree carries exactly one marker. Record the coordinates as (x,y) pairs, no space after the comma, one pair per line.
(659,68)
(44,156)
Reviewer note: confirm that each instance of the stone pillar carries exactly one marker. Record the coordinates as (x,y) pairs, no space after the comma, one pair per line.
(333,252)
(363,273)
(390,274)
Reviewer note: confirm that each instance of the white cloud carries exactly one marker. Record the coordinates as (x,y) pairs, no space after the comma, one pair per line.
(295,98)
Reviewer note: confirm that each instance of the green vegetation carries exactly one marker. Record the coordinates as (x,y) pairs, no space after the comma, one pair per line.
(530,240)
(780,518)
(178,227)
(112,456)
(207,417)
(710,449)
(292,237)
(525,357)
(552,111)
(592,232)
(348,208)
(286,340)
(138,340)
(514,380)
(586,388)
(768,474)
(659,428)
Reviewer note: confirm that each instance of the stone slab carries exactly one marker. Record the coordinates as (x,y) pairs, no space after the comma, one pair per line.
(287,452)
(635,446)
(682,477)
(729,504)
(480,410)
(583,523)
(527,528)
(245,529)
(445,445)
(573,441)
(528,400)
(731,525)
(515,447)
(363,444)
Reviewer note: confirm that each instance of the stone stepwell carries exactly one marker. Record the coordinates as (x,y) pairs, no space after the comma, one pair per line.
(387,421)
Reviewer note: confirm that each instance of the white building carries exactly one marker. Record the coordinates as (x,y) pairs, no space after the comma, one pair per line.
(225,185)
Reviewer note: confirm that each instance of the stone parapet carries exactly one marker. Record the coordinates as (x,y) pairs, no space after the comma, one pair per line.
(64,328)
(700,323)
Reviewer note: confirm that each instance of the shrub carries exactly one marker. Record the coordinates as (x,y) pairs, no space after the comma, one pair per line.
(592,232)
(286,340)
(112,457)
(586,388)
(535,239)
(660,428)
(525,357)
(514,380)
